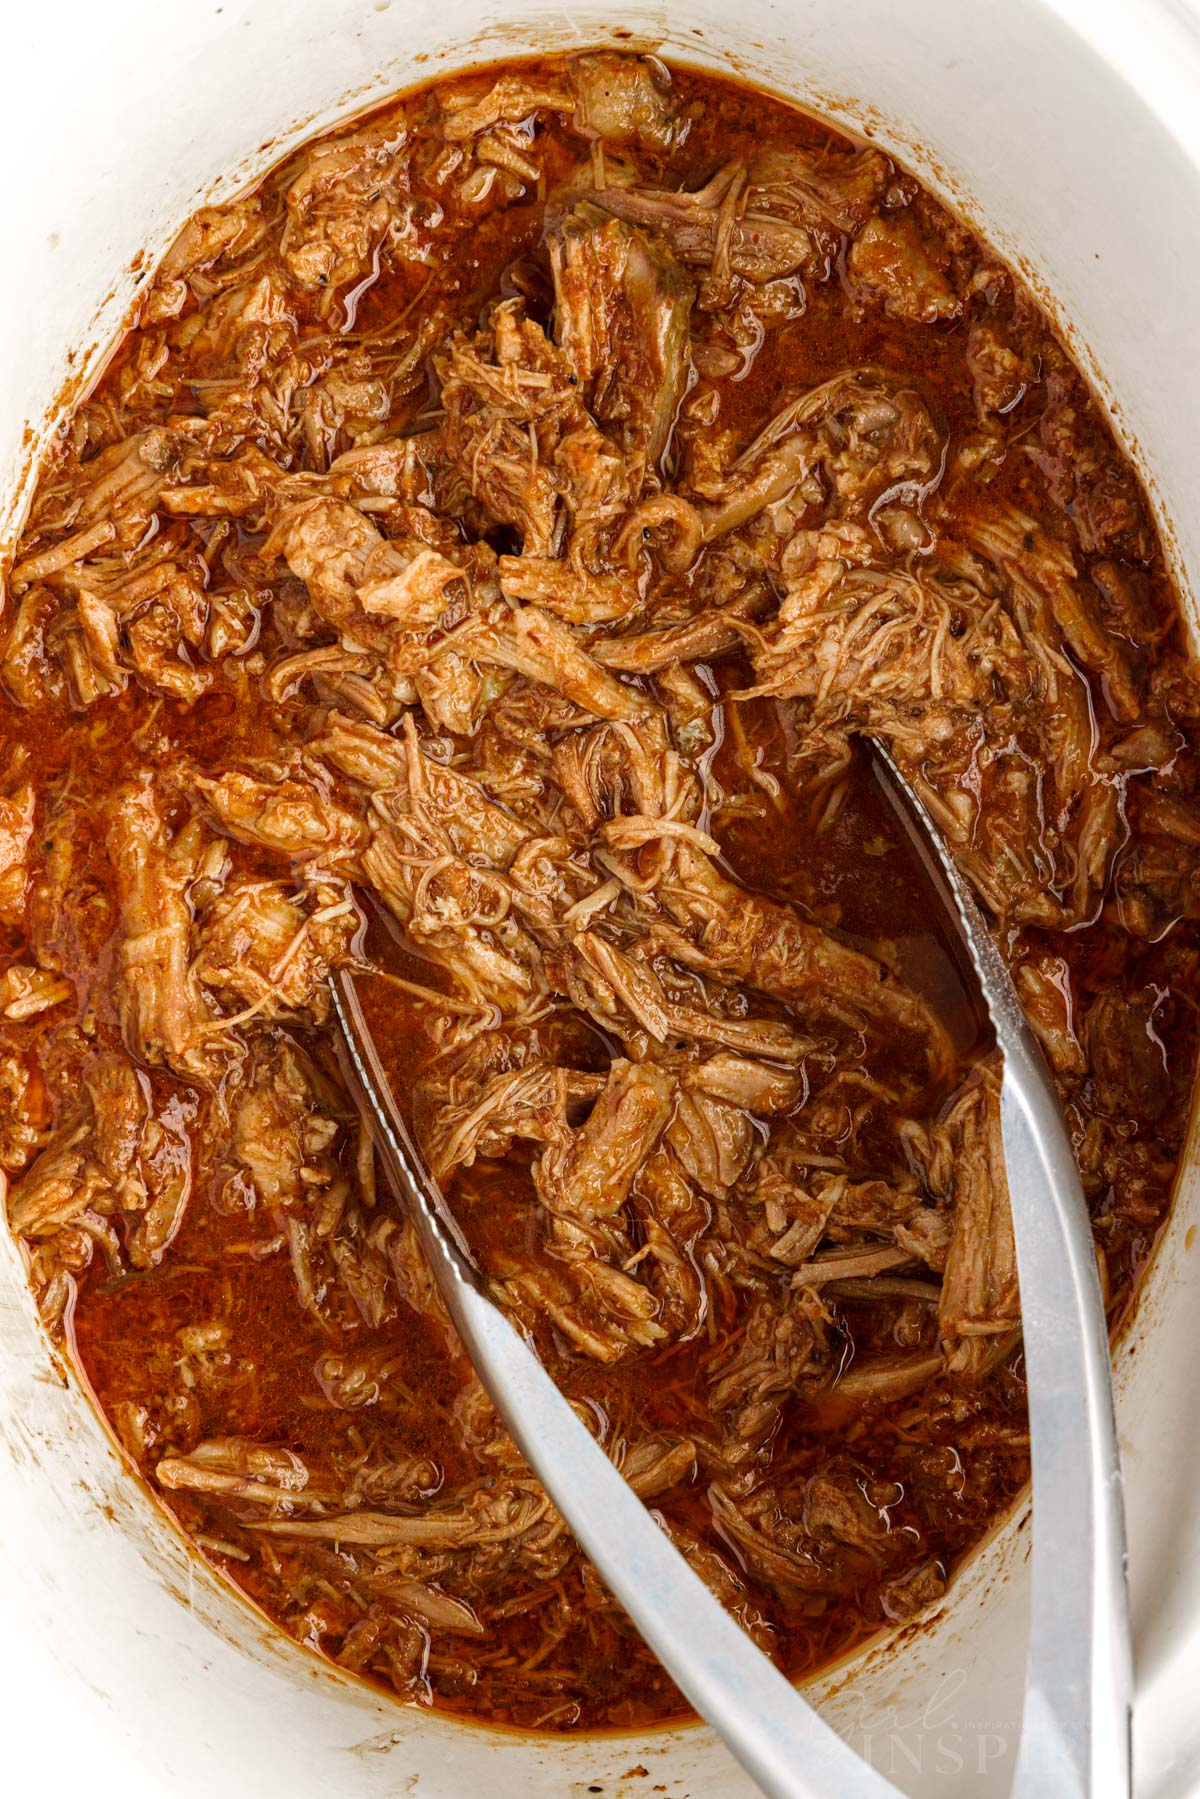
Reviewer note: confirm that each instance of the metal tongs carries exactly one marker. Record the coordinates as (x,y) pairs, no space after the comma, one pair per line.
(1075,1732)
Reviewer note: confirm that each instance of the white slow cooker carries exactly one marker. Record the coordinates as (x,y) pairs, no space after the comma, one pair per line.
(1068,131)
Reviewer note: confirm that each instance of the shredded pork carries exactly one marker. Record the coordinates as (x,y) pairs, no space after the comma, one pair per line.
(475,567)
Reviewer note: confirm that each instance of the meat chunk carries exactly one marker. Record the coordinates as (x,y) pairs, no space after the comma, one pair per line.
(1000,372)
(519,437)
(892,261)
(916,658)
(113,1157)
(699,227)
(468,110)
(165,1017)
(292,816)
(26,991)
(980,1306)
(589,1177)
(1127,1056)
(17,811)
(540,647)
(281,1131)
(462,913)
(270,949)
(354,575)
(568,588)
(763,1365)
(788,212)
(484,1117)
(114,504)
(1044,985)
(625,100)
(1048,596)
(622,305)
(341,205)
(214,236)
(768,945)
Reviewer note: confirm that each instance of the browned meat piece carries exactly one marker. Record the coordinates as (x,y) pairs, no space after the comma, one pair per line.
(239,1471)
(836,1508)
(235,1468)
(785,214)
(165,1017)
(729,1587)
(468,109)
(789,1208)
(341,205)
(863,643)
(836,187)
(473,1117)
(26,991)
(279,1136)
(603,768)
(1000,373)
(871,439)
(709,634)
(354,575)
(112,1157)
(1085,480)
(279,812)
(625,100)
(625,995)
(273,950)
(653,1465)
(1126,602)
(1127,1057)
(26,1114)
(754,1086)
(481,1518)
(568,589)
(414,782)
(797,1201)
(602,1312)
(368,755)
(781,1341)
(518,435)
(766,476)
(772,1544)
(224,487)
(1047,595)
(115,505)
(283,1155)
(859,1263)
(540,647)
(61,1186)
(589,1176)
(461,913)
(31,676)
(1044,985)
(621,313)
(753,939)
(213,236)
(17,811)
(980,1307)
(893,261)
(1158,877)
(914,1591)
(709,223)
(915,658)
(712,1140)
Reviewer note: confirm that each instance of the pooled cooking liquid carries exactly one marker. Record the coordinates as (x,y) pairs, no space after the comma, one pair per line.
(475,566)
